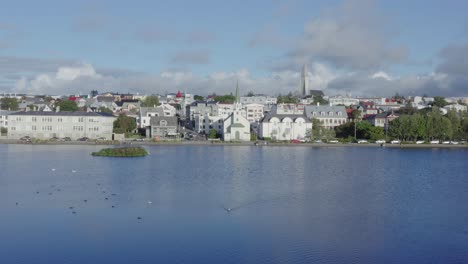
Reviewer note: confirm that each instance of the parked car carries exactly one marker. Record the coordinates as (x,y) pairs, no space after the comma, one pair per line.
(380,141)
(454,142)
(304,140)
(66,139)
(318,141)
(395,141)
(101,138)
(362,141)
(434,142)
(333,141)
(420,142)
(295,141)
(55,139)
(26,138)
(446,142)
(83,139)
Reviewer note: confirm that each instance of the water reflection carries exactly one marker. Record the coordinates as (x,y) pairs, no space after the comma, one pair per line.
(289,205)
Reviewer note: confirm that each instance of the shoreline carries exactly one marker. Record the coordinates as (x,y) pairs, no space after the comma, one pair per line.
(209,143)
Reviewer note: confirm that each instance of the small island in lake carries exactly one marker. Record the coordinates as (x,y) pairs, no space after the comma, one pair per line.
(121,152)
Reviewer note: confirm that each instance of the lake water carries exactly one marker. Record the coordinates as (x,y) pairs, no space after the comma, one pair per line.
(288,205)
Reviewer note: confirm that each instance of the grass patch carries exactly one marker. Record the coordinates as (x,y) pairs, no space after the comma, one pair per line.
(121,152)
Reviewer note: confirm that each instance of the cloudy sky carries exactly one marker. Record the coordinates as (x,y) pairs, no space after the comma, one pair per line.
(359,47)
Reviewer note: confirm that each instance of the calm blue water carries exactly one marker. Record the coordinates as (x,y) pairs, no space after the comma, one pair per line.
(289,205)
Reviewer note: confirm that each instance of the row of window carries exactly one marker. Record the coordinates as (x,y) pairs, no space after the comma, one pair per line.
(325,113)
(50,119)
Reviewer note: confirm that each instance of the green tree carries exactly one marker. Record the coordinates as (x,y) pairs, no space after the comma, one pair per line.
(345,130)
(213,134)
(456,122)
(356,115)
(198,98)
(4,130)
(287,99)
(250,94)
(124,124)
(67,105)
(8,103)
(150,101)
(225,99)
(320,132)
(439,101)
(319,99)
(103,109)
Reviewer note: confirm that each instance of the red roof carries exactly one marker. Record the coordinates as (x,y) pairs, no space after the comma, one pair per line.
(179,94)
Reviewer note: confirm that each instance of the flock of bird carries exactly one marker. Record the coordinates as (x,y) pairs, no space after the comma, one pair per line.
(73,208)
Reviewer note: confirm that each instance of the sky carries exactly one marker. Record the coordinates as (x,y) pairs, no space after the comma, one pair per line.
(354,47)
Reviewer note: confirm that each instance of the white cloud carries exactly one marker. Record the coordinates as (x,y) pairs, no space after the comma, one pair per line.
(71,73)
(382,75)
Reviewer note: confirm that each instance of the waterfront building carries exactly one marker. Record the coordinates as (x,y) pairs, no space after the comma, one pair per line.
(46,125)
(285,122)
(329,116)
(382,119)
(4,114)
(163,127)
(236,127)
(145,114)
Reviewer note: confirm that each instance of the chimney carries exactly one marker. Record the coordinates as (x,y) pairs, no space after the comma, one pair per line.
(318,104)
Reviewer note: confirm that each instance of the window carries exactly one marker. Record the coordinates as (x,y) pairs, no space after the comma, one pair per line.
(34,119)
(163,123)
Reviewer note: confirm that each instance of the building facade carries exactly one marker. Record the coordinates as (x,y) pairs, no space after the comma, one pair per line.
(285,122)
(329,116)
(46,125)
(163,127)
(236,127)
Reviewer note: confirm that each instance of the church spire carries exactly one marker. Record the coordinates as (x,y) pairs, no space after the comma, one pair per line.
(237,92)
(304,81)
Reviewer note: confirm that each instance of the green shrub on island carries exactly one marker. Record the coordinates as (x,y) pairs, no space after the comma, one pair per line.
(121,152)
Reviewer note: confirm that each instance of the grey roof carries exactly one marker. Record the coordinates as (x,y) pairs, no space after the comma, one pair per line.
(6,112)
(309,109)
(273,113)
(105,98)
(144,110)
(64,113)
(171,120)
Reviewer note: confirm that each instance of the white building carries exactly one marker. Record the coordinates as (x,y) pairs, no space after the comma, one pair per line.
(254,112)
(146,113)
(457,107)
(46,125)
(236,127)
(4,118)
(258,99)
(346,101)
(329,116)
(204,123)
(285,122)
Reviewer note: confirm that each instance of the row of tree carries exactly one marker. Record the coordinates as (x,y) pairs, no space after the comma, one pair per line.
(430,126)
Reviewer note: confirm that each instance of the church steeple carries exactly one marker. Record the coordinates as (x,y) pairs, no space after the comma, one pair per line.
(237,93)
(304,90)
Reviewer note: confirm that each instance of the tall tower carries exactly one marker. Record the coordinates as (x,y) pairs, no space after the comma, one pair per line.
(304,90)
(237,93)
